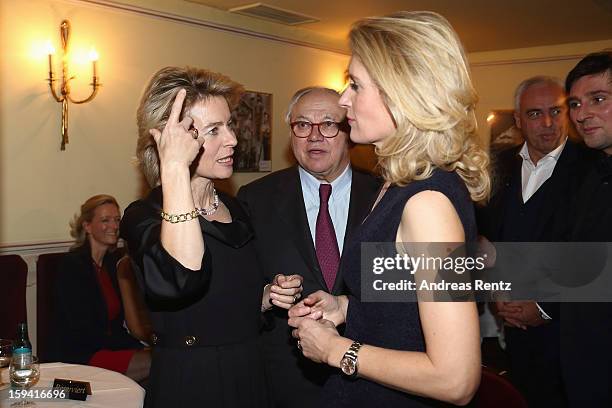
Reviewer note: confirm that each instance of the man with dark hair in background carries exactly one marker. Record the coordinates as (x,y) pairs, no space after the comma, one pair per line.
(586,328)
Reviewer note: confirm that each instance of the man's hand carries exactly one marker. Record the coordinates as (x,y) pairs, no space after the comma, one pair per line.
(520,314)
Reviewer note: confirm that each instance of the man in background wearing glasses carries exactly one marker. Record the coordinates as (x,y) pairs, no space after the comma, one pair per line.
(301,216)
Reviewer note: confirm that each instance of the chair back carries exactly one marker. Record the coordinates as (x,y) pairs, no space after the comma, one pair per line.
(13,278)
(497,391)
(47,268)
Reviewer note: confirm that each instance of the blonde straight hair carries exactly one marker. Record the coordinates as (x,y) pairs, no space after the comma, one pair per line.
(418,64)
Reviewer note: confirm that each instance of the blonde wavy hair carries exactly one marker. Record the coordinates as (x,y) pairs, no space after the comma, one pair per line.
(156,104)
(418,64)
(88,210)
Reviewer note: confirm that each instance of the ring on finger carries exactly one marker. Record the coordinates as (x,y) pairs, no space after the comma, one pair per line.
(299,345)
(194,133)
(295,298)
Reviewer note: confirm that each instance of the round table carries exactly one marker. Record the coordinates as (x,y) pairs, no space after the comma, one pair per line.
(108,388)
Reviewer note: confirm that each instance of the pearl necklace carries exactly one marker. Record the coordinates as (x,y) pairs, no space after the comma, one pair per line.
(213,208)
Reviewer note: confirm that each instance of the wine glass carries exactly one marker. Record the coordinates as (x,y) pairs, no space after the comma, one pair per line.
(6,350)
(24,373)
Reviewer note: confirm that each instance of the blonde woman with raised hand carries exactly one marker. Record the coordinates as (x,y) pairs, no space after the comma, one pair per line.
(411,96)
(194,248)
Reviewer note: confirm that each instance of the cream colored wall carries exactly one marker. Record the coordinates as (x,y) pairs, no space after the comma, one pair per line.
(497,74)
(40,186)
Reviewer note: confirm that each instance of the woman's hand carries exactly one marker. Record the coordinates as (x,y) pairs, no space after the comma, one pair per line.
(178,143)
(283,292)
(177,148)
(316,339)
(319,305)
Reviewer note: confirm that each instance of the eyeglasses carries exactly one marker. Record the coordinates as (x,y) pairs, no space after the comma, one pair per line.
(327,129)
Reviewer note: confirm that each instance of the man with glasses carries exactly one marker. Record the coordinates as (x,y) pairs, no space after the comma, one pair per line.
(301,216)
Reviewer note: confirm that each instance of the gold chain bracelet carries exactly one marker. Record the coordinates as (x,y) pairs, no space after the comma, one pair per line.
(176,218)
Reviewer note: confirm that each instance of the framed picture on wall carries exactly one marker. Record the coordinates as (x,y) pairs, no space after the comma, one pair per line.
(252,124)
(504,133)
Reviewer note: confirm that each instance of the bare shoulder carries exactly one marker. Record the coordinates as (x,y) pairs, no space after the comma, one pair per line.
(429,216)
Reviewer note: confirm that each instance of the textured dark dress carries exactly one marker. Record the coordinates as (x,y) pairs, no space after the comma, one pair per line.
(389,325)
(206,322)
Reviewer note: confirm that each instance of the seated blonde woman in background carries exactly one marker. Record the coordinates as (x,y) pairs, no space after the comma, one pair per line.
(88,307)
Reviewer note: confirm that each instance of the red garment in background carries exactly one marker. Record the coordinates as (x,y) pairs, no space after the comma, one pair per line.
(115,360)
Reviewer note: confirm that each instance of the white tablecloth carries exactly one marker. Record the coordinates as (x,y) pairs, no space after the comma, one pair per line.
(109,389)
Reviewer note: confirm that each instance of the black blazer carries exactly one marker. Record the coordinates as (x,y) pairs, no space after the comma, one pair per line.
(80,318)
(553,224)
(284,245)
(536,350)
(586,328)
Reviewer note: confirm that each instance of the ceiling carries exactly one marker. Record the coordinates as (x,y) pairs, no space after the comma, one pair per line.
(483,25)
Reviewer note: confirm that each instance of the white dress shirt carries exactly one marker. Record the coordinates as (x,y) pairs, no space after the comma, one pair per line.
(534,175)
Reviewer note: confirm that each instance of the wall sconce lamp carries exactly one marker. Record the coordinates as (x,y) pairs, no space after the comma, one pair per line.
(64,90)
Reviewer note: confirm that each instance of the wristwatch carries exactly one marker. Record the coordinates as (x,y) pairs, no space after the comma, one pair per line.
(349,364)
(542,313)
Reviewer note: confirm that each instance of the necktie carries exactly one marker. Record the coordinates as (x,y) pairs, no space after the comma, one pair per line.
(326,244)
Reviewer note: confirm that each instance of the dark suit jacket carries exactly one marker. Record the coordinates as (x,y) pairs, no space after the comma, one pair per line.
(538,347)
(284,245)
(586,328)
(276,208)
(553,224)
(80,319)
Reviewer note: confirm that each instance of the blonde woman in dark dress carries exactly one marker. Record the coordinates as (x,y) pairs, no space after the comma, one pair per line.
(194,248)
(89,305)
(411,96)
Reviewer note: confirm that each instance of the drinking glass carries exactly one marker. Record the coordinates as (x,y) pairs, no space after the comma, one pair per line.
(6,350)
(24,373)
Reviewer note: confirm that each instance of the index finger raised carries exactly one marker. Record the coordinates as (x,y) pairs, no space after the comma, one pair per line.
(177,106)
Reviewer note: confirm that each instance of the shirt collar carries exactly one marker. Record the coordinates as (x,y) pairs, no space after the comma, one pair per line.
(311,183)
(555,154)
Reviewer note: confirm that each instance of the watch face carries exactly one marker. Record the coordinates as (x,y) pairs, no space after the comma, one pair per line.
(348,366)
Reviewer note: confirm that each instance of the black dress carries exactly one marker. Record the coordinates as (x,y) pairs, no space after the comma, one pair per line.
(389,325)
(206,322)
